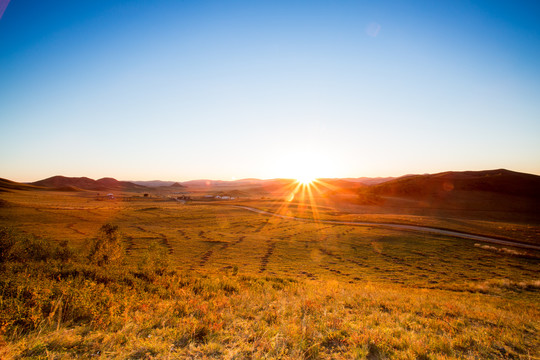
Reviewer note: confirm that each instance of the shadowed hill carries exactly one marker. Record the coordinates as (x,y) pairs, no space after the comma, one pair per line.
(62,181)
(104,184)
(67,188)
(370,181)
(440,185)
(154,183)
(6,185)
(500,191)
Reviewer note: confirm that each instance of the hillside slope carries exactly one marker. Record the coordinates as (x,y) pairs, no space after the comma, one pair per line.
(490,190)
(104,184)
(496,181)
(6,185)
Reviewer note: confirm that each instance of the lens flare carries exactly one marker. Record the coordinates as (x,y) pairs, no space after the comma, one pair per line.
(305,180)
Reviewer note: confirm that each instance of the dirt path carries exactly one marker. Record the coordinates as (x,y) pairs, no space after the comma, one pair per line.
(417,228)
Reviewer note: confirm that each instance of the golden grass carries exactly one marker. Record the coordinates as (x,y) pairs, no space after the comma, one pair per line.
(198,281)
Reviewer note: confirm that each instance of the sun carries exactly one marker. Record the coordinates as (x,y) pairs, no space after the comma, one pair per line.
(304,163)
(305,180)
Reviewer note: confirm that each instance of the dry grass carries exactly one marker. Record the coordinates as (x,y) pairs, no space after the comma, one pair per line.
(523,231)
(197,281)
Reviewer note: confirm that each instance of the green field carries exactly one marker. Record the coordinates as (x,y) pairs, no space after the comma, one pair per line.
(207,280)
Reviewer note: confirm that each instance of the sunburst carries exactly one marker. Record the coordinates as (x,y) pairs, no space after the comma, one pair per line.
(305,180)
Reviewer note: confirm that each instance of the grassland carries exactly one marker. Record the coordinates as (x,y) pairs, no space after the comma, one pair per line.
(198,280)
(524,230)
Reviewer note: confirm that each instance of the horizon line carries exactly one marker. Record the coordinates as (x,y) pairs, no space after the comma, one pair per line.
(276,178)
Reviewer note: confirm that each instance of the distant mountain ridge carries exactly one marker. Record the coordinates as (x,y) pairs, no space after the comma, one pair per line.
(208,182)
(253,181)
(84,183)
(444,185)
(369,180)
(153,183)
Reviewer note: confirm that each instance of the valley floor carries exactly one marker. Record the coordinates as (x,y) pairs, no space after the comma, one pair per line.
(170,280)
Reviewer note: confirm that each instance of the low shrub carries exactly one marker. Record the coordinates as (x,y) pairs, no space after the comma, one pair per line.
(107,247)
(25,248)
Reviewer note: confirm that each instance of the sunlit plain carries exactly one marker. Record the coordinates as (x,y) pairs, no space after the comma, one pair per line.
(212,279)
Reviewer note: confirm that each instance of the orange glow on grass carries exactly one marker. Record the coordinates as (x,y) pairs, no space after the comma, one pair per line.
(306,193)
(302,198)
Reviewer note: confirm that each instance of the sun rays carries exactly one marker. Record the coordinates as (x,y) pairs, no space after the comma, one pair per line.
(301,198)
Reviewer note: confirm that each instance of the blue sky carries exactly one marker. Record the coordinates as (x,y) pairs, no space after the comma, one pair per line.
(179,90)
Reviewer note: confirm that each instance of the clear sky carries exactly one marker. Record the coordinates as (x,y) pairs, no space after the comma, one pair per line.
(179,90)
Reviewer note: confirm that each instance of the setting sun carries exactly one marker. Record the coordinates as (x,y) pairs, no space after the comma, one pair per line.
(304,160)
(305,180)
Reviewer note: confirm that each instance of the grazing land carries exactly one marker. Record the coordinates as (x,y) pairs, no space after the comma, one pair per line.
(145,276)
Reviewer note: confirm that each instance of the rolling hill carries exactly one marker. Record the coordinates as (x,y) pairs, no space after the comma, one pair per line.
(498,190)
(104,184)
(499,181)
(6,185)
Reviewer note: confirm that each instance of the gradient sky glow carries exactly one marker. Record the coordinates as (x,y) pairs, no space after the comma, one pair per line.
(179,90)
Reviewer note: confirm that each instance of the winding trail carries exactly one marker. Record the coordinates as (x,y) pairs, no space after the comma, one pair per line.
(417,228)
